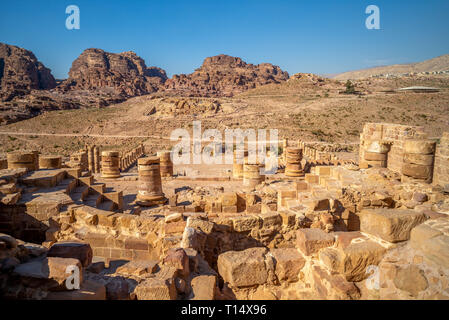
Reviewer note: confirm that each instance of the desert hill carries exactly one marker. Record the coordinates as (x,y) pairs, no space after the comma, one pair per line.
(224,75)
(437,64)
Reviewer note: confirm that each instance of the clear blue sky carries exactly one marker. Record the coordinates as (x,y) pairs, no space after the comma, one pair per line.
(326,36)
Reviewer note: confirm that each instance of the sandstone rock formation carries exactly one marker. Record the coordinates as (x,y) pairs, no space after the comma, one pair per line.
(224,75)
(124,74)
(21,72)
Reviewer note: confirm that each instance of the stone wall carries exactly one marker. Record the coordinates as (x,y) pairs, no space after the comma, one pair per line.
(391,136)
(128,159)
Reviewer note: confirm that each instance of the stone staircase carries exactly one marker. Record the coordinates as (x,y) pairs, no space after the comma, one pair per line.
(80,190)
(85,191)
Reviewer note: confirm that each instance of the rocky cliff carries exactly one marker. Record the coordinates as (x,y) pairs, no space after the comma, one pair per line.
(224,75)
(124,74)
(20,72)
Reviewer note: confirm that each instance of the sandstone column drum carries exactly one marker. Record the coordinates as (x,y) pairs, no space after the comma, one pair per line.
(166,163)
(293,159)
(110,164)
(150,183)
(251,174)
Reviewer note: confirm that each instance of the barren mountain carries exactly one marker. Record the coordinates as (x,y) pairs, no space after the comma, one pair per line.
(224,75)
(436,64)
(96,79)
(124,74)
(20,72)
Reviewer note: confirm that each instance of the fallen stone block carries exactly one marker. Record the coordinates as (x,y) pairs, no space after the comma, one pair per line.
(229,199)
(72,249)
(310,241)
(193,238)
(52,271)
(288,263)
(246,223)
(353,259)
(138,267)
(203,287)
(432,238)
(243,268)
(156,289)
(393,225)
(177,258)
(174,217)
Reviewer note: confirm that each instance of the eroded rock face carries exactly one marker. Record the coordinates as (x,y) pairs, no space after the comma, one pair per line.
(21,72)
(224,75)
(123,73)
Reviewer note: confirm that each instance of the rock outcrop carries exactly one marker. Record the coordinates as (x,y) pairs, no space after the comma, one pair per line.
(124,74)
(224,75)
(21,72)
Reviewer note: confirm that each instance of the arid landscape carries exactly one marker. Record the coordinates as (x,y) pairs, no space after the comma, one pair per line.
(358,207)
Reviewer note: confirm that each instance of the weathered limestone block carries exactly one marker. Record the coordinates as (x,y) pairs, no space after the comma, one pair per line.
(312,178)
(203,287)
(246,223)
(177,258)
(317,203)
(393,225)
(137,267)
(432,238)
(284,195)
(52,270)
(156,289)
(323,170)
(310,241)
(271,219)
(72,249)
(174,217)
(352,259)
(200,224)
(328,286)
(411,279)
(288,263)
(193,238)
(243,268)
(229,199)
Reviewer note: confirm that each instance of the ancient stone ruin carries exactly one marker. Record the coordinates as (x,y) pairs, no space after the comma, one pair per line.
(320,228)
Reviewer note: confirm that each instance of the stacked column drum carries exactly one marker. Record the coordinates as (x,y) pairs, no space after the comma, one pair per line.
(166,164)
(110,161)
(419,158)
(376,154)
(150,184)
(251,174)
(293,157)
(237,167)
